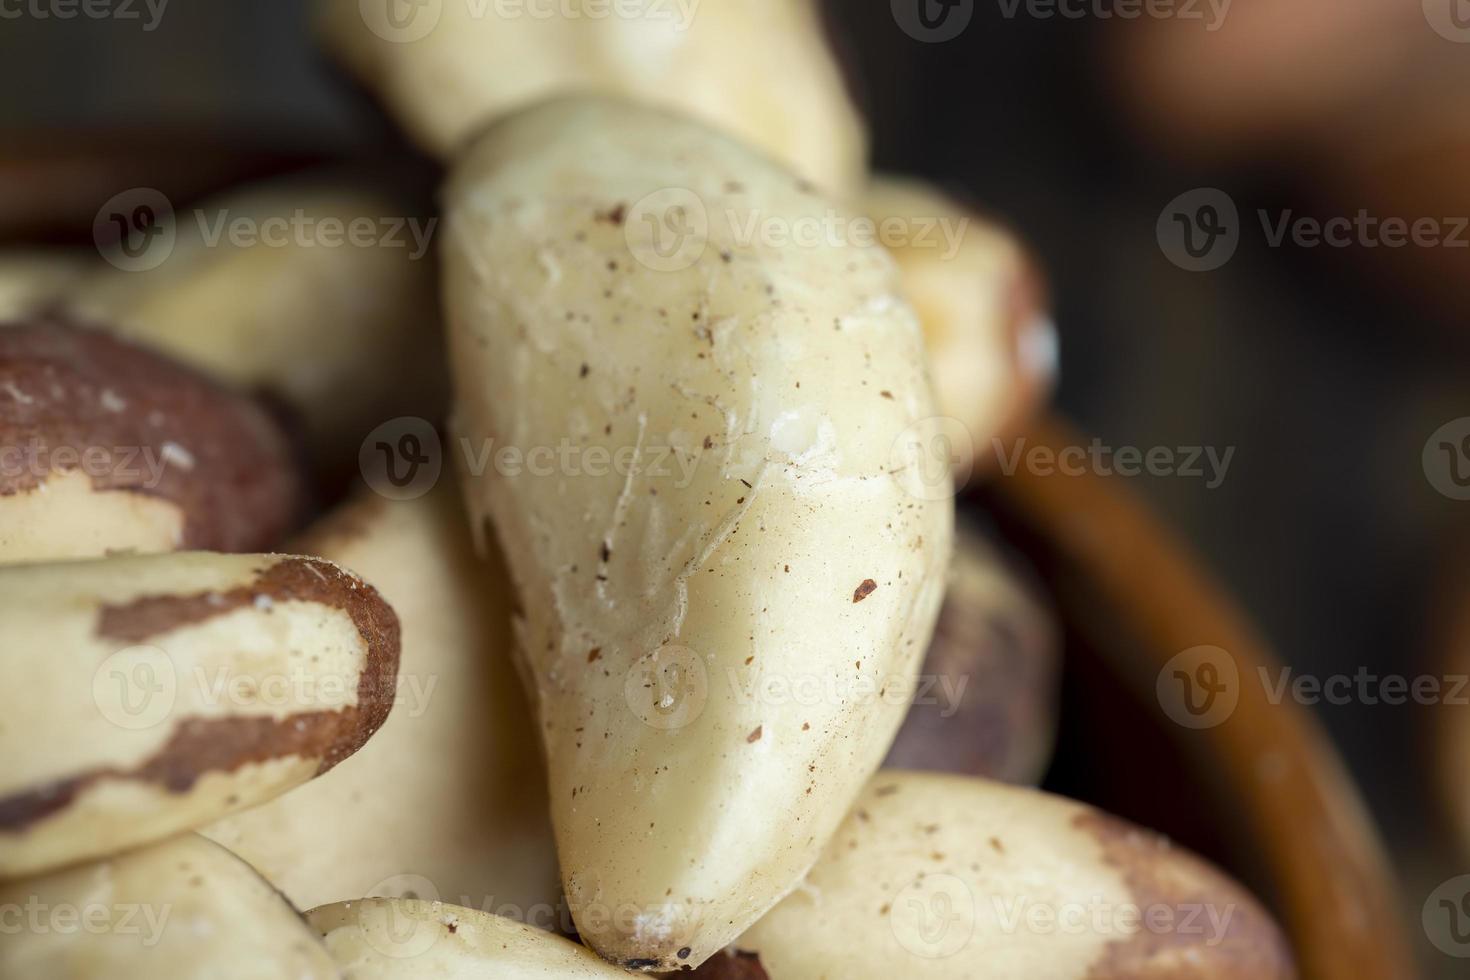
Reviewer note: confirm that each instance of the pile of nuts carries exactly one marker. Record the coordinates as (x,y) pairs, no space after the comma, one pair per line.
(625,710)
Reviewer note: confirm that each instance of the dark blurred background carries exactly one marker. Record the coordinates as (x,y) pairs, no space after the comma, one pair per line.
(1327,368)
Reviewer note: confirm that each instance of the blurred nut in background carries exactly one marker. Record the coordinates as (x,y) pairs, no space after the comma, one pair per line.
(987,698)
(32,279)
(983,305)
(318,292)
(758,69)
(182,908)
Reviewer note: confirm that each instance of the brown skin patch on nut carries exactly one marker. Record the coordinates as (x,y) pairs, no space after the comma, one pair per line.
(995,648)
(864,590)
(731,965)
(66,389)
(203,745)
(1164,878)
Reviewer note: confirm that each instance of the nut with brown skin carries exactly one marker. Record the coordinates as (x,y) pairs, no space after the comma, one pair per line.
(937,877)
(150,695)
(182,908)
(986,702)
(448,799)
(318,292)
(106,447)
(983,305)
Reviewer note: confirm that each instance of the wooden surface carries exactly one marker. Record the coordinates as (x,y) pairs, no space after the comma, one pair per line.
(1141,599)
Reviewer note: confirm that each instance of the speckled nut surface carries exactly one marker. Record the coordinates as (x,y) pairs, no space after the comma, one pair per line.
(936,877)
(987,698)
(729,575)
(406,939)
(179,910)
(106,447)
(759,70)
(146,696)
(317,292)
(983,305)
(448,799)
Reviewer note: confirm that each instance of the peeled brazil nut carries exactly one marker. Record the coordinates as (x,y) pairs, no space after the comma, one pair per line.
(760,70)
(315,291)
(983,305)
(986,704)
(936,877)
(407,939)
(152,695)
(106,447)
(32,279)
(179,909)
(727,562)
(448,799)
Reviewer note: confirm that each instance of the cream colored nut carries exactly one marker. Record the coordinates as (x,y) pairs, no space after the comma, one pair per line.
(935,877)
(405,939)
(986,704)
(318,293)
(449,796)
(726,573)
(758,69)
(181,909)
(980,298)
(106,447)
(34,279)
(151,695)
